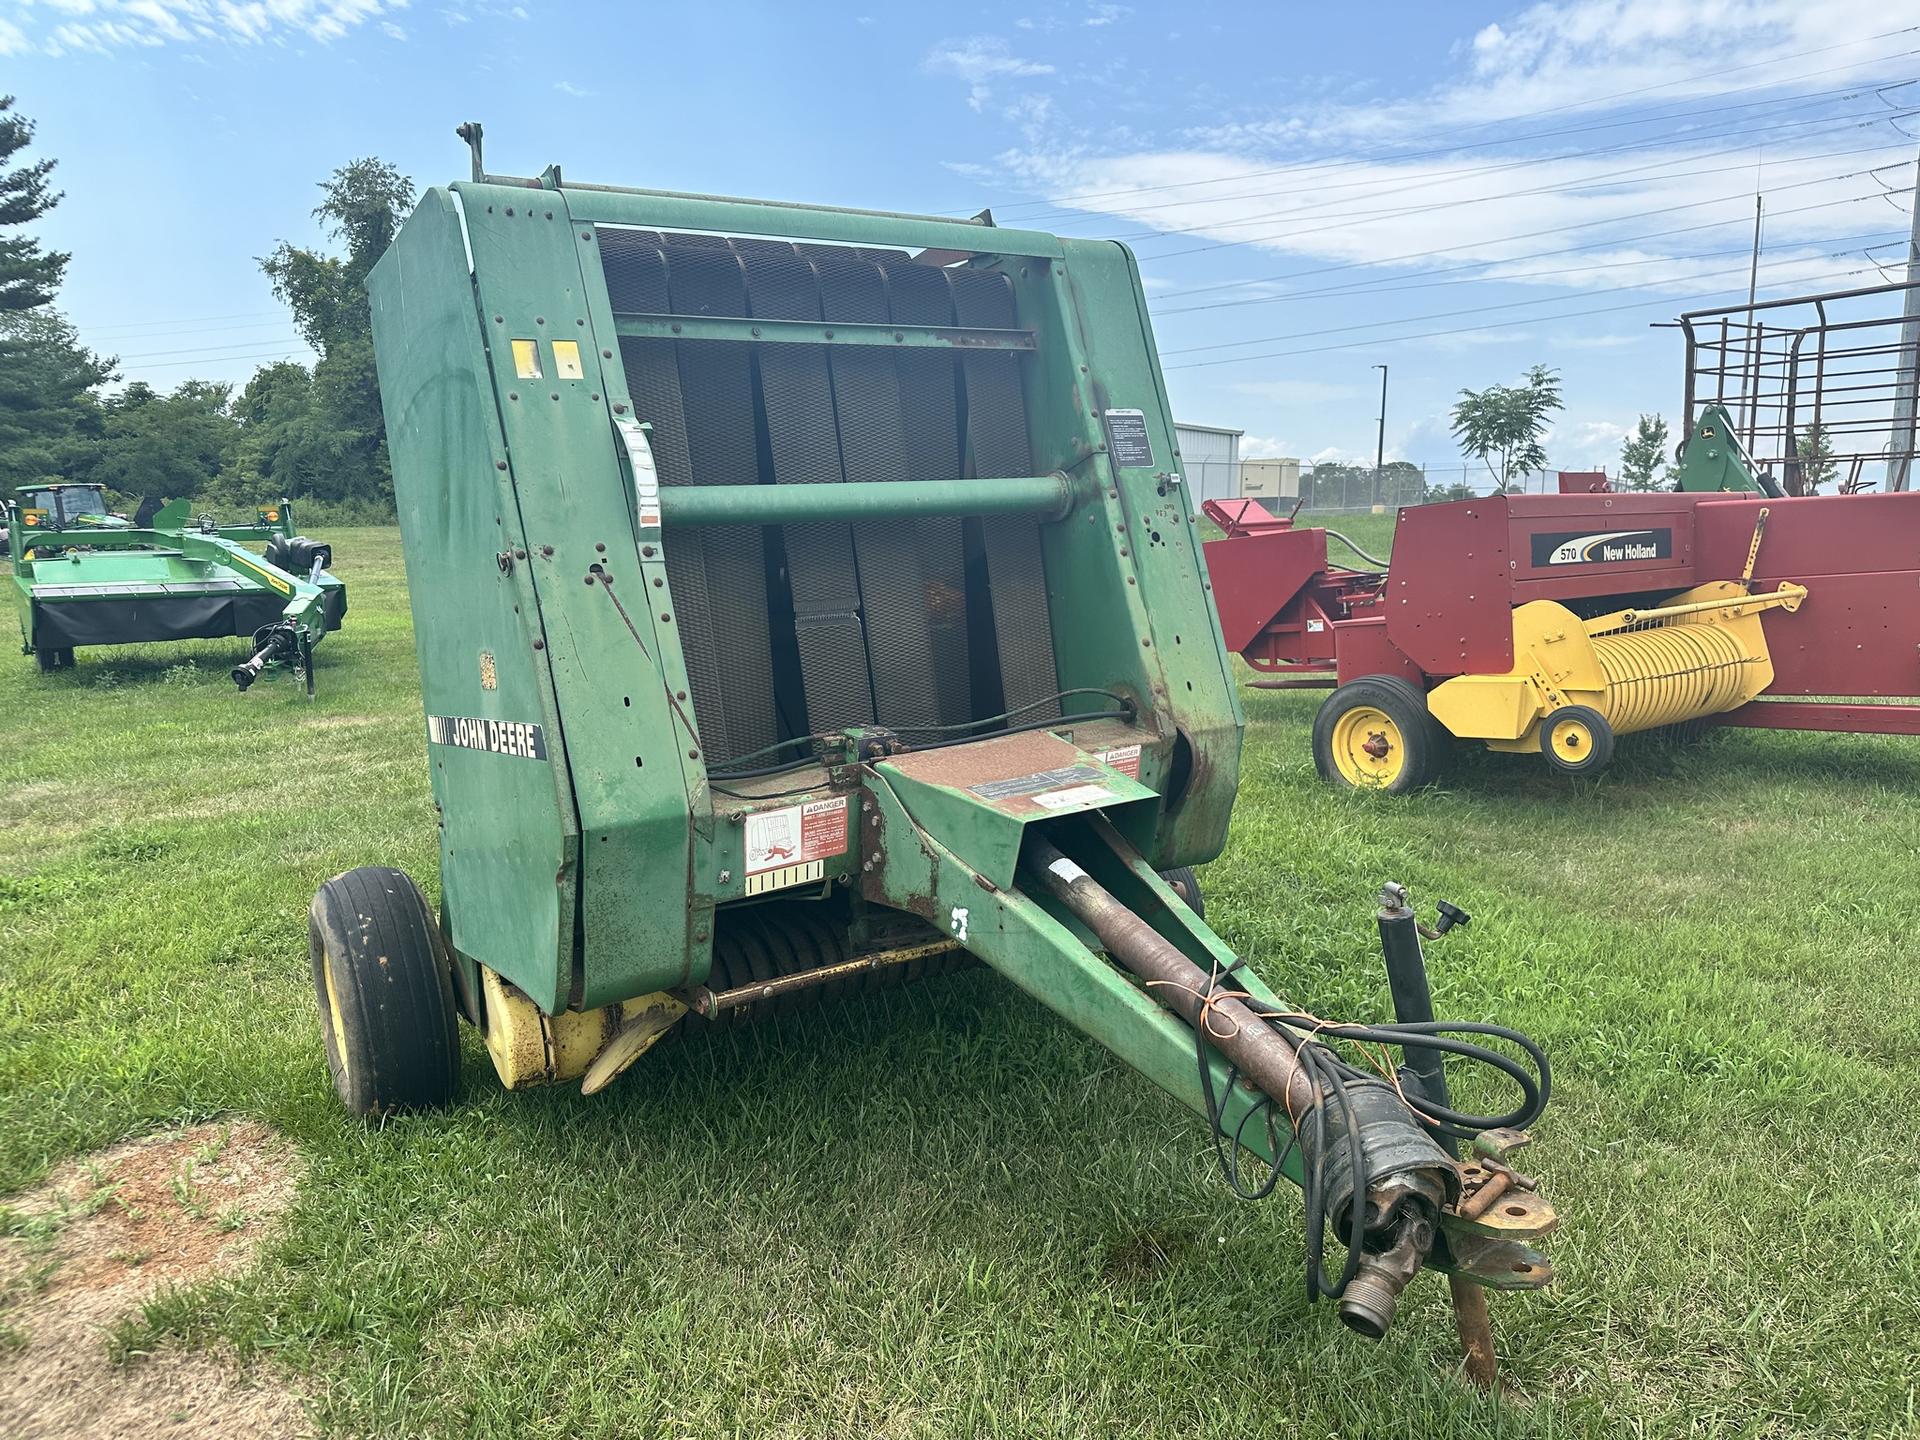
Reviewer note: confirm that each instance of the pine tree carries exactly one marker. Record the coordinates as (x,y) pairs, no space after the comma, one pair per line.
(29,275)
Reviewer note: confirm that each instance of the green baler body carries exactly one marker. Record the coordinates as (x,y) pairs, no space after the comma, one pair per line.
(585,859)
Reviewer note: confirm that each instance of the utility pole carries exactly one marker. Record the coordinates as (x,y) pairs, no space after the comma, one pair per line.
(1380,442)
(1900,440)
(1750,412)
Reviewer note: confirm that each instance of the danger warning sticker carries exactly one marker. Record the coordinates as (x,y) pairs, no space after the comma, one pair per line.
(796,835)
(1124,758)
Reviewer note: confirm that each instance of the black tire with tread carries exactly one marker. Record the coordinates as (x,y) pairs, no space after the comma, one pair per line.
(397,1045)
(1424,738)
(1187,885)
(1597,756)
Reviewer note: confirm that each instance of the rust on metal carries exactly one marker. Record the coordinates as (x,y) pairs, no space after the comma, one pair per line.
(703,1001)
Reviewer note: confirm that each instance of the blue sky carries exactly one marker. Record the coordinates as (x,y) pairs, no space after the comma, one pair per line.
(1458,190)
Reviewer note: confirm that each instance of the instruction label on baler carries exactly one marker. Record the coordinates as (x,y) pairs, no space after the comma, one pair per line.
(1035,783)
(1124,758)
(520,738)
(796,835)
(1128,442)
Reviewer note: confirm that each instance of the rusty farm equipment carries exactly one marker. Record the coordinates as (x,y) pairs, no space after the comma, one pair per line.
(752,550)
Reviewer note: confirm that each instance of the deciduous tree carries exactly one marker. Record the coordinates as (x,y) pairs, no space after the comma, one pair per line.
(1504,426)
(1643,455)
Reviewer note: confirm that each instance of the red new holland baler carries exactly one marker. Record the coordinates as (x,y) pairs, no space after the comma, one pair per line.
(1550,624)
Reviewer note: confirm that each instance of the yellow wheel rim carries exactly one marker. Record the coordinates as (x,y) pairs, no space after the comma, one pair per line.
(1571,741)
(338,1026)
(1368,749)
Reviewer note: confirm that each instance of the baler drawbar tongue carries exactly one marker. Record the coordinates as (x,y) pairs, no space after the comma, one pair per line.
(1144,975)
(809,599)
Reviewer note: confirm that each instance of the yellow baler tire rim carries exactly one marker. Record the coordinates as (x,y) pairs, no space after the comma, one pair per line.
(334,1017)
(1571,740)
(1357,767)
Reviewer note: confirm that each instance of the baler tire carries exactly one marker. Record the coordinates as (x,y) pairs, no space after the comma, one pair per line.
(1593,753)
(1187,885)
(1402,706)
(382,979)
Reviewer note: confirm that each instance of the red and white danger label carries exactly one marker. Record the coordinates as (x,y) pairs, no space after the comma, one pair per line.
(1124,758)
(796,834)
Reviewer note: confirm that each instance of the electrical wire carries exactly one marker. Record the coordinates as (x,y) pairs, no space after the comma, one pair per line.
(1400,184)
(1331,1078)
(1285,235)
(1461,329)
(1124,711)
(1482,309)
(1386,285)
(1067,202)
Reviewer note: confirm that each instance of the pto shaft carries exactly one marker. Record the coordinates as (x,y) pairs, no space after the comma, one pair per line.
(1254,1046)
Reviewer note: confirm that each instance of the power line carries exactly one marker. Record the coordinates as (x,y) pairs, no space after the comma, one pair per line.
(1068,201)
(1295,234)
(1471,310)
(1837,123)
(191,320)
(1821,96)
(1526,278)
(211,352)
(1743,196)
(223,359)
(1458,330)
(1385,280)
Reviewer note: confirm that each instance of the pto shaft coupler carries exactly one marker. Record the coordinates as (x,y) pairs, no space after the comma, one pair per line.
(1356,1135)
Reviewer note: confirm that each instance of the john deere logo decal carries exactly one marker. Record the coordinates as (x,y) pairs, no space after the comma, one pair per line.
(1602,547)
(497,737)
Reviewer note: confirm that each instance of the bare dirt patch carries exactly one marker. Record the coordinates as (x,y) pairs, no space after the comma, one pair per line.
(102,1235)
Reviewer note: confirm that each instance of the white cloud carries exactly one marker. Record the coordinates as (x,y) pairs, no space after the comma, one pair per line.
(393,31)
(567,87)
(1107,14)
(981,61)
(1582,438)
(1262,447)
(1555,56)
(104,25)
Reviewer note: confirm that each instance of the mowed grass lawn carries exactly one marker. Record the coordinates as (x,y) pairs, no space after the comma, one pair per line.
(945,1212)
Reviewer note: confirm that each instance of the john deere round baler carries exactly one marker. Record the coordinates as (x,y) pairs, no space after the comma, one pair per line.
(808,599)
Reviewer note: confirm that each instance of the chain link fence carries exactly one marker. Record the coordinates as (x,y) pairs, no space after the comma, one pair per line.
(1354,488)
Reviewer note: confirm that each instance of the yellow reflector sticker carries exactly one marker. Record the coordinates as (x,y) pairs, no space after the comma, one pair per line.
(566,360)
(526,359)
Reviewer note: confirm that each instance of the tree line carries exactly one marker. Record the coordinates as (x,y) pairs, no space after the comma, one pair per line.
(313,432)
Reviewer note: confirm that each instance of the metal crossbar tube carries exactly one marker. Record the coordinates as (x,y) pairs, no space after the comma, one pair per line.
(1047,496)
(751,331)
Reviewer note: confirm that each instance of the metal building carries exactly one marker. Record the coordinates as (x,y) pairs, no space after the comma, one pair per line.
(1209,459)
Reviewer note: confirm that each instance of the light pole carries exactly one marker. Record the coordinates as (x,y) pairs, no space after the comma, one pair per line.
(1380,442)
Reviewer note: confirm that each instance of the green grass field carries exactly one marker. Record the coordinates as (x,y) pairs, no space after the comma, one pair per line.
(944,1212)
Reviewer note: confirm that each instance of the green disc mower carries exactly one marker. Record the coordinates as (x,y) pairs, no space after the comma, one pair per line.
(85,576)
(809,599)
